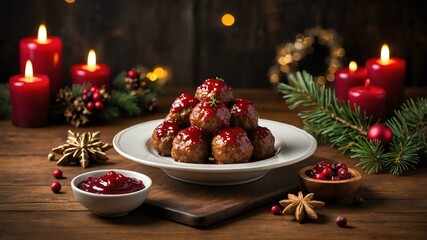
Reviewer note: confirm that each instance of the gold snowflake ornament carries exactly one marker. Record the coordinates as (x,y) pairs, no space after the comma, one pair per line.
(81,149)
(301,206)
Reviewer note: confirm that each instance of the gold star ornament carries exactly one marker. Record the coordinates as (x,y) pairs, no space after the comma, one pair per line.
(81,149)
(301,206)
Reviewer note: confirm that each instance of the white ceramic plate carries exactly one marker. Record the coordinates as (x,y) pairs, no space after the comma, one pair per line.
(292,145)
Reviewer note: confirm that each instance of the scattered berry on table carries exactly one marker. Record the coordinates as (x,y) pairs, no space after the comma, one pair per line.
(55,187)
(357,201)
(57,173)
(341,221)
(276,210)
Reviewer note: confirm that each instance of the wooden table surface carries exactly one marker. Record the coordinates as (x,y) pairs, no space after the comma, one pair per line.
(394,207)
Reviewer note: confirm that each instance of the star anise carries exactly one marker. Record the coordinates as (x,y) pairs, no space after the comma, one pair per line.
(301,206)
(82,149)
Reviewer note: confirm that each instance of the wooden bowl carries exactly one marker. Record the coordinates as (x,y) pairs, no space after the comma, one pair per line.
(328,190)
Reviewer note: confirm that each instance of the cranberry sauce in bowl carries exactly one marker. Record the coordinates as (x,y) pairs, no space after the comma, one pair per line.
(111,192)
(111,183)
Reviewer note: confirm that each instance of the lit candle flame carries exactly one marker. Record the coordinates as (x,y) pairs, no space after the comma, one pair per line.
(42,34)
(352,66)
(91,60)
(385,54)
(28,70)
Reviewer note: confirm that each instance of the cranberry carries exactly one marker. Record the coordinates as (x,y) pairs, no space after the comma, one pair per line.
(55,187)
(57,173)
(319,176)
(90,105)
(96,96)
(276,210)
(132,73)
(84,91)
(336,166)
(323,163)
(342,173)
(311,173)
(99,105)
(327,171)
(93,89)
(335,178)
(357,201)
(341,221)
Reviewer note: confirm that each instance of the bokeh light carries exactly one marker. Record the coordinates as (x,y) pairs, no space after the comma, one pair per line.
(227,20)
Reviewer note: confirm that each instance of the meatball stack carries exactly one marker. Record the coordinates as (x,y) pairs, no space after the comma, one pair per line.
(213,123)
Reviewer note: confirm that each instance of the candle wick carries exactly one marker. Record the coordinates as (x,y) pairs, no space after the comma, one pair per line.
(367,83)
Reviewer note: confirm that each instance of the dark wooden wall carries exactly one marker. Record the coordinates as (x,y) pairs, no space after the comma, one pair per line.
(188,37)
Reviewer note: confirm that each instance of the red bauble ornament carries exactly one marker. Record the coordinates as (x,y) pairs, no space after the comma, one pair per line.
(381,132)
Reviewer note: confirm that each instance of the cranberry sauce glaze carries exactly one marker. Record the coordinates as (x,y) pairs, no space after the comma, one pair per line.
(215,87)
(183,101)
(193,134)
(111,183)
(235,134)
(167,127)
(212,108)
(243,106)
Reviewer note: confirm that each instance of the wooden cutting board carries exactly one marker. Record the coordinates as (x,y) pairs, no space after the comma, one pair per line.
(199,206)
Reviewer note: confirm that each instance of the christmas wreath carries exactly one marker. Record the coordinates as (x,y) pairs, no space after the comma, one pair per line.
(334,122)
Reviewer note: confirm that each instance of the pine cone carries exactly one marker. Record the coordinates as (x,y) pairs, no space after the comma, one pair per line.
(76,113)
(137,84)
(64,96)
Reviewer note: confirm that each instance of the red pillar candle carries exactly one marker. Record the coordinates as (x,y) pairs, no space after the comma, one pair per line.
(370,99)
(347,78)
(96,74)
(45,54)
(388,73)
(30,98)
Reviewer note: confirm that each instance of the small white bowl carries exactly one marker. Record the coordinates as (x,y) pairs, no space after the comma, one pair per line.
(111,205)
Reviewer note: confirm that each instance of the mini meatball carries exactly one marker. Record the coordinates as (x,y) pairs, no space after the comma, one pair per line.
(263,143)
(231,145)
(210,115)
(181,109)
(244,114)
(163,136)
(190,146)
(216,87)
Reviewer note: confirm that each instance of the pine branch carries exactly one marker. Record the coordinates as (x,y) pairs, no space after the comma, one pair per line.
(370,154)
(126,102)
(404,154)
(118,82)
(343,127)
(4,101)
